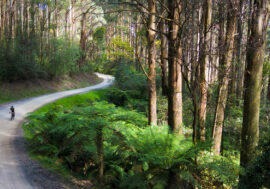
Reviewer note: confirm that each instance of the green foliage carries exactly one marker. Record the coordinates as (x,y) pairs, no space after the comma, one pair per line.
(128,79)
(232,129)
(99,34)
(154,152)
(120,49)
(24,60)
(135,155)
(132,152)
(62,59)
(130,89)
(264,119)
(126,99)
(224,170)
(257,173)
(117,97)
(18,61)
(77,100)
(69,134)
(266,67)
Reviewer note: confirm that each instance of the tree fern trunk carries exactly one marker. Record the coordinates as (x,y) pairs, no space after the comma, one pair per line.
(100,153)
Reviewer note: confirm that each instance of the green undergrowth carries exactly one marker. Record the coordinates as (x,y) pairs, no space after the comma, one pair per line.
(74,134)
(76,100)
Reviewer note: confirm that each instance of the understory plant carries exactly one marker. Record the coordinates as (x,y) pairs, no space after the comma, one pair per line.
(116,148)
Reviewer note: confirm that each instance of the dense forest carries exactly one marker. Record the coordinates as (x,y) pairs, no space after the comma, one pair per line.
(191,102)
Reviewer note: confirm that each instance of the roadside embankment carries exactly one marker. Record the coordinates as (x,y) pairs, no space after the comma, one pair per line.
(30,88)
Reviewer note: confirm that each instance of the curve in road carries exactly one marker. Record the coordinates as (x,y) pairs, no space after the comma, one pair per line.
(11,174)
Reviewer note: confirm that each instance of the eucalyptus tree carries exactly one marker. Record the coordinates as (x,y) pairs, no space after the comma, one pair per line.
(225,67)
(253,79)
(91,17)
(151,38)
(175,66)
(203,61)
(151,23)
(164,57)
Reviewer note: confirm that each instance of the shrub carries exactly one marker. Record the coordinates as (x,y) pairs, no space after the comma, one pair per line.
(135,155)
(257,173)
(24,60)
(128,79)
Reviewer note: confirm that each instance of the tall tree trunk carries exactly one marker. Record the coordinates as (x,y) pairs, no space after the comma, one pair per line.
(151,39)
(2,20)
(253,81)
(82,41)
(225,65)
(11,19)
(26,19)
(164,58)
(33,13)
(175,72)
(136,44)
(66,23)
(204,60)
(55,30)
(6,21)
(195,81)
(239,86)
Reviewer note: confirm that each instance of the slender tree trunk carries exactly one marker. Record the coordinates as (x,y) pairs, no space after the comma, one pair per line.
(195,81)
(11,19)
(82,41)
(151,39)
(55,30)
(70,27)
(136,49)
(253,81)
(225,65)
(232,83)
(239,85)
(26,19)
(6,21)
(175,72)
(204,60)
(2,20)
(32,11)
(66,23)
(164,58)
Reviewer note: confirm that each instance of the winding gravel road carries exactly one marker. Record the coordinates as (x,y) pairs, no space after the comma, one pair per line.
(12,173)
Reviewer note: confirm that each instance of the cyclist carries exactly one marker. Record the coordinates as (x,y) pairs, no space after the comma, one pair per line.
(12,112)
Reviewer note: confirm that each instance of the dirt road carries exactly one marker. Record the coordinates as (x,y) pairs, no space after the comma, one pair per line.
(12,173)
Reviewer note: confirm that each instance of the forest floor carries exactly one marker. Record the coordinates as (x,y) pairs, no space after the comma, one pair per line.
(30,88)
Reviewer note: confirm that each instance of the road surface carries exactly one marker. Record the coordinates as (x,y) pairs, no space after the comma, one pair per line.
(12,175)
